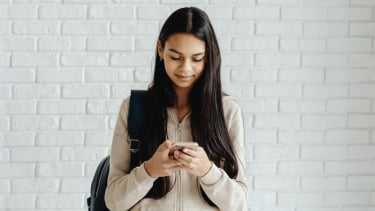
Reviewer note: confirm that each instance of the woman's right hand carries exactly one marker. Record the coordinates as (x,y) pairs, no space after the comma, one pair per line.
(160,164)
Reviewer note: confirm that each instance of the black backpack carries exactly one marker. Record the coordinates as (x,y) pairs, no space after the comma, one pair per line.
(99,183)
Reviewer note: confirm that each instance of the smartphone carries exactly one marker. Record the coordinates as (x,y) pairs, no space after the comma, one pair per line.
(181,145)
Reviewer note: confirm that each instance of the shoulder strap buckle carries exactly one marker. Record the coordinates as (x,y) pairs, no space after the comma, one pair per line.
(134,145)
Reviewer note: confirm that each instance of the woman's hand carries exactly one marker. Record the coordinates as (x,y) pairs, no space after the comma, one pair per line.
(194,160)
(160,165)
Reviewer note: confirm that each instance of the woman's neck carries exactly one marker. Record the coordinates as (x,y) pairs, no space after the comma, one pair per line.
(182,106)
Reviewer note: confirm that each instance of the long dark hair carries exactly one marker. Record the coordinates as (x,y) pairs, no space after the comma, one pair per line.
(208,125)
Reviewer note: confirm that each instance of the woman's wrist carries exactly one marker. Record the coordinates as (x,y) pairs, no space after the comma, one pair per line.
(148,169)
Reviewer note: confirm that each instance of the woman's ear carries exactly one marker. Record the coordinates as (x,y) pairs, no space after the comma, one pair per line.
(160,50)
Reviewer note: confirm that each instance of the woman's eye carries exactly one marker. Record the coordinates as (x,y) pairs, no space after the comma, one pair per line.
(198,60)
(175,58)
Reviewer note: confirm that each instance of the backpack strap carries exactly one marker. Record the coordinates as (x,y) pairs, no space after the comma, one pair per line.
(135,118)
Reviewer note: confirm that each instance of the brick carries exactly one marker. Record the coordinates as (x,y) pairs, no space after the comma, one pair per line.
(362,2)
(261,198)
(361,60)
(346,136)
(323,121)
(36,91)
(59,169)
(277,121)
(305,106)
(83,153)
(275,183)
(288,137)
(277,60)
(255,43)
(15,12)
(304,13)
(350,13)
(324,3)
(17,75)
(218,12)
(143,75)
(348,105)
(4,186)
(35,27)
(361,152)
(4,123)
(134,27)
(326,60)
(323,152)
(237,59)
(5,59)
(281,2)
(60,138)
(34,154)
(361,120)
(65,106)
(362,90)
(232,28)
(130,59)
(18,138)
(145,43)
(62,11)
(88,27)
(34,123)
(5,91)
(325,29)
(85,91)
(261,168)
(300,167)
(323,183)
(351,75)
(362,28)
(358,208)
(59,76)
(98,138)
(276,152)
(83,122)
(19,106)
(152,13)
(34,59)
(301,199)
(347,198)
(278,90)
(103,106)
(256,13)
(263,75)
(324,91)
(349,44)
(301,75)
(61,44)
(85,59)
(16,170)
(35,186)
(75,185)
(348,167)
(58,201)
(303,44)
(361,182)
(19,201)
(17,44)
(278,28)
(4,157)
(262,137)
(109,44)
(5,27)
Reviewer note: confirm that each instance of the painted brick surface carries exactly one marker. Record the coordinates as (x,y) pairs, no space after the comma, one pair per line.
(302,70)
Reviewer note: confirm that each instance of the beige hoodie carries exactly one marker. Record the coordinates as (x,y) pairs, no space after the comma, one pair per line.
(127,191)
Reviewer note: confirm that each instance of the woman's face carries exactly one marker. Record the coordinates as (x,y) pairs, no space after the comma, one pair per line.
(184,59)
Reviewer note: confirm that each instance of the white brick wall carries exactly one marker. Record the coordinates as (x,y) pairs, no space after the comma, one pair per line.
(303,71)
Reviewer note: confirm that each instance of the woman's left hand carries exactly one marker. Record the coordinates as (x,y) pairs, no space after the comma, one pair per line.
(194,160)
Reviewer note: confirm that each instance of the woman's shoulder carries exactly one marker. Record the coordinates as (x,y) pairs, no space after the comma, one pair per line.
(230,103)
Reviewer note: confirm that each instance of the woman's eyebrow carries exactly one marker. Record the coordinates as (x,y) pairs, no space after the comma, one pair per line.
(175,51)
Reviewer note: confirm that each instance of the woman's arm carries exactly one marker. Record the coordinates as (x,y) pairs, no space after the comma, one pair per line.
(227,193)
(124,189)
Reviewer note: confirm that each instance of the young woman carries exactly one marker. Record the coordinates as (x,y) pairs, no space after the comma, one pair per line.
(185,103)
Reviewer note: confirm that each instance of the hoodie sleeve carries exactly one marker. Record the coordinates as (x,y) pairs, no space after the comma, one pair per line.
(124,189)
(227,193)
